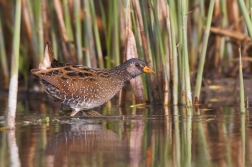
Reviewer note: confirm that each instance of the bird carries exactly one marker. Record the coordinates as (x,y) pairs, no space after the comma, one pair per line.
(84,88)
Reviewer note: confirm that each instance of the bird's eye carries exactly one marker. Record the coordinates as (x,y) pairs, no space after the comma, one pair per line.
(137,64)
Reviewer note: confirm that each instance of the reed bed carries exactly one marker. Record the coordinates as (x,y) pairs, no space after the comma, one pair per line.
(168,36)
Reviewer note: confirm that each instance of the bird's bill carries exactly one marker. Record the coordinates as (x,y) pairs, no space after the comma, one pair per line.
(147,70)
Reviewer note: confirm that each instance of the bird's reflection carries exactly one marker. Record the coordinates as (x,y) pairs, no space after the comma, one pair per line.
(80,141)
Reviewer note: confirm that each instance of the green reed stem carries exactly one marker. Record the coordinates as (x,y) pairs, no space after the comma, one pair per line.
(54,44)
(186,64)
(108,30)
(34,34)
(146,47)
(243,139)
(188,138)
(177,135)
(116,40)
(181,67)
(174,68)
(96,35)
(88,35)
(4,62)
(67,20)
(160,41)
(246,16)
(201,137)
(242,99)
(78,31)
(12,101)
(40,31)
(203,51)
(250,9)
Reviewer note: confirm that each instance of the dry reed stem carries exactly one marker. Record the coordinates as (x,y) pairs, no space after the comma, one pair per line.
(26,19)
(59,14)
(138,14)
(136,83)
(231,33)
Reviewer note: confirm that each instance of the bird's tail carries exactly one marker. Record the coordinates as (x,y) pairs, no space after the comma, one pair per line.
(47,59)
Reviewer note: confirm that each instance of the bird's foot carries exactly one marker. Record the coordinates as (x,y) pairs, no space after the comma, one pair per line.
(91,113)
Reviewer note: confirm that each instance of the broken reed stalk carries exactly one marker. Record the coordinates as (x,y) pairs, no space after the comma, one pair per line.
(246,16)
(12,101)
(203,51)
(137,10)
(3,61)
(78,31)
(242,99)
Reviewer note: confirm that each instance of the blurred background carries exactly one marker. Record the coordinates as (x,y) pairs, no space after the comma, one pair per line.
(93,33)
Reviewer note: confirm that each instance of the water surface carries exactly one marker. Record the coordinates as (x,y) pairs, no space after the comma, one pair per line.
(126,136)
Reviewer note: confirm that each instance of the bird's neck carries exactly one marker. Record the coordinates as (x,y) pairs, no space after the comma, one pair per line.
(121,73)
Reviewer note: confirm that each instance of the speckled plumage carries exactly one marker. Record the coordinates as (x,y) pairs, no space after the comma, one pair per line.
(83,88)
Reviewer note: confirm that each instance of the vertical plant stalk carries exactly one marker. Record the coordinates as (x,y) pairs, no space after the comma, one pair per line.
(12,144)
(242,99)
(137,11)
(34,36)
(177,135)
(78,31)
(243,138)
(4,63)
(137,84)
(65,29)
(250,9)
(40,31)
(172,56)
(186,64)
(67,20)
(123,92)
(116,40)
(97,36)
(203,51)
(246,16)
(69,50)
(54,44)
(188,138)
(88,35)
(59,14)
(161,58)
(12,101)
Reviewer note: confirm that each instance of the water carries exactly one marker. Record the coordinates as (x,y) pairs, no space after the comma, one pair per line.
(125,136)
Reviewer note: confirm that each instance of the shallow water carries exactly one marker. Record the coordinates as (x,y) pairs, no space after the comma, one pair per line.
(126,136)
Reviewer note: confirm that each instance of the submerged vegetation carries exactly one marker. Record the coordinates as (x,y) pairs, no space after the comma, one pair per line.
(175,38)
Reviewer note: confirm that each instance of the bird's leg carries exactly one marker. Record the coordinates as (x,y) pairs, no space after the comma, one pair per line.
(74,111)
(91,113)
(64,111)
